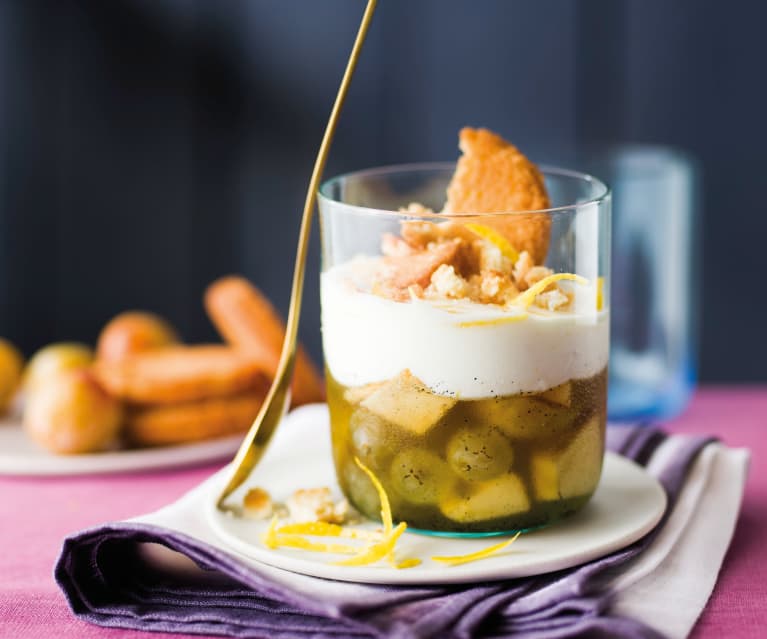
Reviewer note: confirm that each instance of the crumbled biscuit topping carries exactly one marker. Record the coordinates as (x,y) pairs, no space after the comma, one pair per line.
(415,208)
(257,504)
(449,261)
(552,300)
(316,504)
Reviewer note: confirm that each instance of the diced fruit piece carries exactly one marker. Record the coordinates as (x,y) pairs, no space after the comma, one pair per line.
(573,472)
(479,452)
(521,417)
(11,363)
(420,476)
(55,359)
(357,394)
(407,403)
(499,497)
(545,472)
(562,395)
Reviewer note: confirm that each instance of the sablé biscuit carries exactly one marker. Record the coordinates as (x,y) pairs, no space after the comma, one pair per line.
(493,176)
(180,374)
(248,322)
(192,421)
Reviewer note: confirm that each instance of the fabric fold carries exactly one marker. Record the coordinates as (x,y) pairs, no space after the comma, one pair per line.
(108,581)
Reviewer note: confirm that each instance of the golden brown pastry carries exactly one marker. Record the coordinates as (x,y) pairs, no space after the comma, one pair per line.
(53,360)
(180,374)
(192,421)
(249,323)
(11,364)
(133,332)
(70,413)
(492,176)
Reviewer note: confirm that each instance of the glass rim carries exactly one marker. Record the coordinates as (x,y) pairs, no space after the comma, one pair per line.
(603,192)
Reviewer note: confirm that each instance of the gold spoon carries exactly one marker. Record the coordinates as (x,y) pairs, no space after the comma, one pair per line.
(278,399)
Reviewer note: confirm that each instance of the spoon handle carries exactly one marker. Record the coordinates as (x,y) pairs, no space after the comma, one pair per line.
(278,398)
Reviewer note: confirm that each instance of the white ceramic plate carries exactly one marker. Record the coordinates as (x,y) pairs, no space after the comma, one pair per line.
(21,456)
(627,505)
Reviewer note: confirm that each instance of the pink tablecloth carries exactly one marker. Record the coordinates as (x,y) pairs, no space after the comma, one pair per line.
(35,514)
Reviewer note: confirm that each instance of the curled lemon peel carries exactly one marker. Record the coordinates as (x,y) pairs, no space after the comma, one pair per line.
(375,552)
(475,556)
(382,546)
(386,517)
(494,237)
(326,529)
(269,538)
(302,543)
(494,322)
(528,297)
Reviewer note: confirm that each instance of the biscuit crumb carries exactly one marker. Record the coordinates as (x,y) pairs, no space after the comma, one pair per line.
(491,258)
(522,268)
(552,300)
(257,504)
(398,273)
(393,246)
(446,283)
(316,504)
(415,208)
(493,287)
(536,274)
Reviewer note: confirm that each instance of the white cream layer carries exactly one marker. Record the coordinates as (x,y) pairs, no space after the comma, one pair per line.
(460,348)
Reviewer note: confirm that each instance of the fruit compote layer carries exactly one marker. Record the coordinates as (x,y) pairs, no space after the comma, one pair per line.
(448,464)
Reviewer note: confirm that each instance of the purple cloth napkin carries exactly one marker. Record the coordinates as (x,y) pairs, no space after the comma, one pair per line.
(107,583)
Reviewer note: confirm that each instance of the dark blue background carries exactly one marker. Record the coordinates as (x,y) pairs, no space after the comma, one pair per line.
(148,146)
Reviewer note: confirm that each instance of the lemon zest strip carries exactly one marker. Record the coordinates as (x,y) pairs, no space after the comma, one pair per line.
(406,563)
(494,322)
(326,529)
(385,506)
(376,552)
(269,538)
(296,541)
(528,297)
(494,237)
(600,293)
(480,554)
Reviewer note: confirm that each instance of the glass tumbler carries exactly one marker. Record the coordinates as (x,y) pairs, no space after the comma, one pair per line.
(655,213)
(466,354)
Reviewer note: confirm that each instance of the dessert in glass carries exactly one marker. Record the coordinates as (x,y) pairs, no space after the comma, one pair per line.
(466,350)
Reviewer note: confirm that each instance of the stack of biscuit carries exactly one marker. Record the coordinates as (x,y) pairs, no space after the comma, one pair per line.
(175,393)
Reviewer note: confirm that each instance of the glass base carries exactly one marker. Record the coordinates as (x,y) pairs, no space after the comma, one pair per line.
(477,535)
(573,506)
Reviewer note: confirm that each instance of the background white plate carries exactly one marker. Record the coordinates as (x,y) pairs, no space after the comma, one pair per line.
(627,504)
(21,456)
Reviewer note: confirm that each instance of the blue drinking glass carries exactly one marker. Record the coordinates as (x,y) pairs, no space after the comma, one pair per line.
(654,298)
